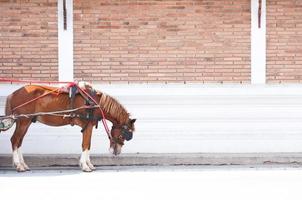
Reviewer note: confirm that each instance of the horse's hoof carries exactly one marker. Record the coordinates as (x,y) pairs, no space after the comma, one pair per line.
(20,168)
(91,166)
(26,167)
(87,169)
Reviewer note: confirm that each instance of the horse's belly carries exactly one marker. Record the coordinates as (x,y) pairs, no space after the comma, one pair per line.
(53,121)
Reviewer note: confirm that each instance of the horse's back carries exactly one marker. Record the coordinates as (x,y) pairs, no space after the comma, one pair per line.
(34,90)
(25,94)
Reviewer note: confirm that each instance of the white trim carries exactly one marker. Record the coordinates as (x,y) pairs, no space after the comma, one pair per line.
(258,44)
(65,42)
(147,90)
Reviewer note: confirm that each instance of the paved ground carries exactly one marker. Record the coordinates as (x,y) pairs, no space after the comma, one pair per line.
(144,183)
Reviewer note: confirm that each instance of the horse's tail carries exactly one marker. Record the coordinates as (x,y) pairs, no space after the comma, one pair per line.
(7,123)
(8,108)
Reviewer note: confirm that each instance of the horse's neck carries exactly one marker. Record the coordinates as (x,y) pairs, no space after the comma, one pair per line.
(112,119)
(116,117)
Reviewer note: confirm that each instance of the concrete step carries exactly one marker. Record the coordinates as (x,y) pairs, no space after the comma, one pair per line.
(38,160)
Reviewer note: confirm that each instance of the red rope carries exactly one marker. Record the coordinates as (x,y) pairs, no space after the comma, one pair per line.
(5,80)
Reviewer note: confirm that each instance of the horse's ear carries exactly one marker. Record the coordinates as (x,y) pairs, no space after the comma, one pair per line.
(132,121)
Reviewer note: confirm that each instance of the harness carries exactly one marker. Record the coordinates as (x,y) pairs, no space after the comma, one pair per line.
(90,106)
(7,121)
(125,132)
(89,115)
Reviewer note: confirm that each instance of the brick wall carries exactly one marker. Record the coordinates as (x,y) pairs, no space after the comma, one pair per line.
(162,41)
(151,41)
(284,41)
(28,39)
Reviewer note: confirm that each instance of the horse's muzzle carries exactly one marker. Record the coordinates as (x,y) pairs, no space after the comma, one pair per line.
(115,149)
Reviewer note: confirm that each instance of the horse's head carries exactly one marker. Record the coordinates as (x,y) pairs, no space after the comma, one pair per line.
(123,126)
(120,133)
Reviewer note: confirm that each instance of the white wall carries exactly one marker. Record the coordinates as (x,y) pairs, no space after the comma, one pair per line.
(258,43)
(65,42)
(187,118)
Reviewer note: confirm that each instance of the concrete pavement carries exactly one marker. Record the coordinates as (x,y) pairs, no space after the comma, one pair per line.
(136,183)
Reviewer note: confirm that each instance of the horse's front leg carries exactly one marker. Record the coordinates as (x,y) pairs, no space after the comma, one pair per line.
(85,162)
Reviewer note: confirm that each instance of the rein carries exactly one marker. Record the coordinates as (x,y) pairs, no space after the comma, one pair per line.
(58,82)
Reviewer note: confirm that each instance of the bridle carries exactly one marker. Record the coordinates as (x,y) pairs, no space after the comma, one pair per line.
(126,134)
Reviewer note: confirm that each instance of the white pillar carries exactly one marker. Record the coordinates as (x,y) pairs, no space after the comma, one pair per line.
(65,41)
(258,43)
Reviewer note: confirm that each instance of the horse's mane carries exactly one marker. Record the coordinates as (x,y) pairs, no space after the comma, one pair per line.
(113,107)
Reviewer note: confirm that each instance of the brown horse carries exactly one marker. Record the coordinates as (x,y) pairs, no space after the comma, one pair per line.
(31,99)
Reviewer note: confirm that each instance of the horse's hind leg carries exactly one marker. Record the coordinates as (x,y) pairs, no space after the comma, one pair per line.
(16,140)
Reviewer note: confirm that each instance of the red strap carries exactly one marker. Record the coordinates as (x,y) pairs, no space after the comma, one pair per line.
(5,80)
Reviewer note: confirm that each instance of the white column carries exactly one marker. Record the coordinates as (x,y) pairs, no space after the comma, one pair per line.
(258,43)
(65,41)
